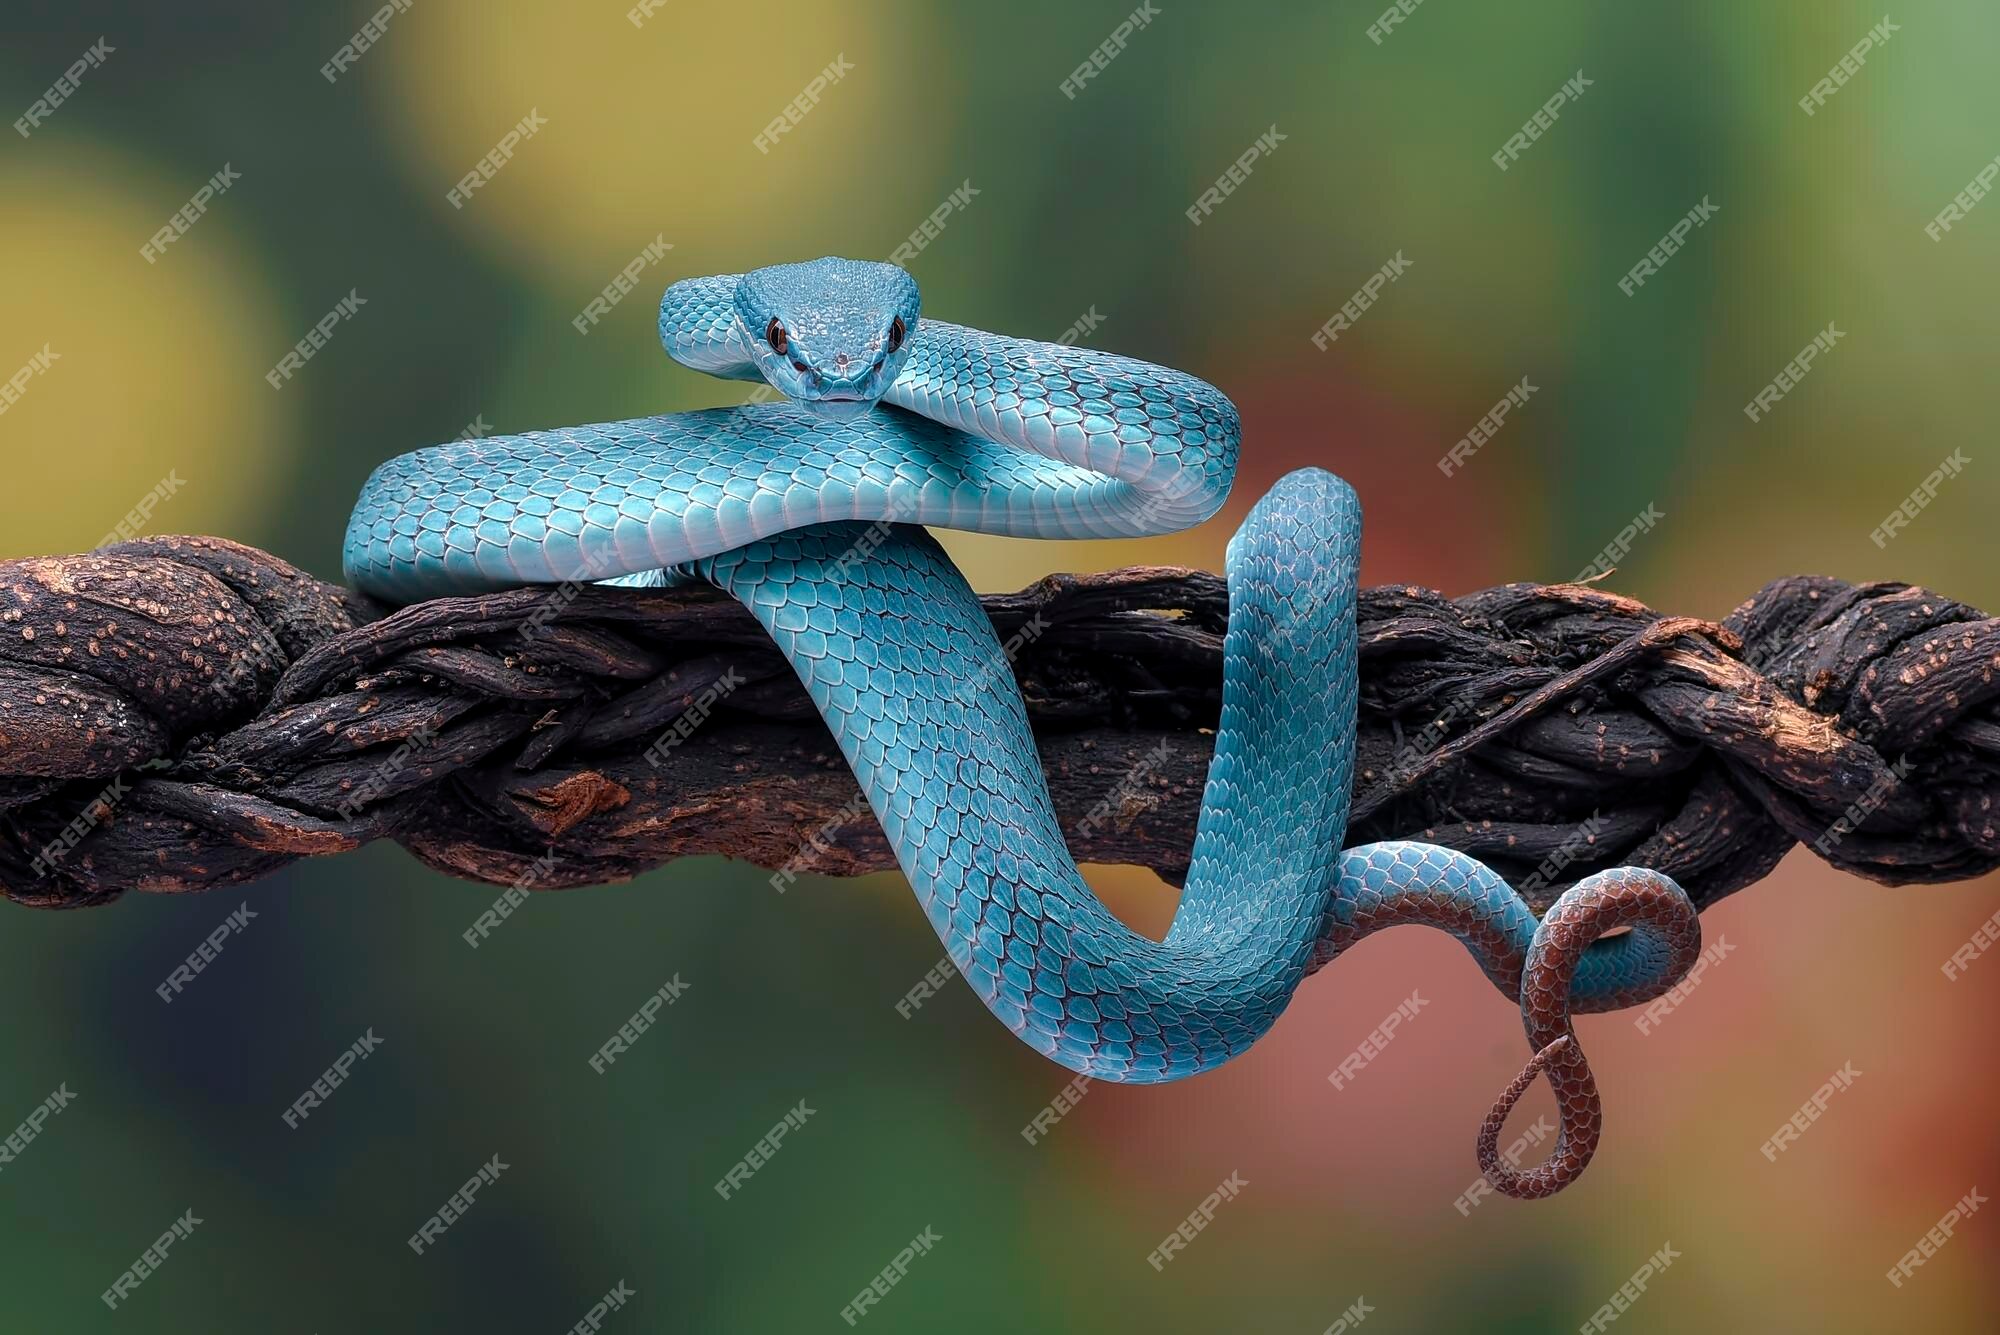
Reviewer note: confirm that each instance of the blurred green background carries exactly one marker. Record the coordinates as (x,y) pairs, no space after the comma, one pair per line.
(1079,208)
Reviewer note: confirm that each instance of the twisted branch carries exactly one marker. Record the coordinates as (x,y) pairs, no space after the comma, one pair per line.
(188,713)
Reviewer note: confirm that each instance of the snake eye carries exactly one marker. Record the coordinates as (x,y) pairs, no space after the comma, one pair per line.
(896,334)
(774,334)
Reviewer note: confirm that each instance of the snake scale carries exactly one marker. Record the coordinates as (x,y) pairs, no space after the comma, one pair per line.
(809,510)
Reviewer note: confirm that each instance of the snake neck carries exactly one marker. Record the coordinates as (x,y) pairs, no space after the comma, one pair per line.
(1169,436)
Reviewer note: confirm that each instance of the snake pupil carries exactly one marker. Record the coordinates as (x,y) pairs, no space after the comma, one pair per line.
(775,336)
(896,333)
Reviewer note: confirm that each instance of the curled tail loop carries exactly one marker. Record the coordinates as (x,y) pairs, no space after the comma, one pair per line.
(1653,907)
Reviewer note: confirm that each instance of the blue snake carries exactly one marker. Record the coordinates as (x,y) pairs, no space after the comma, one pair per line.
(809,511)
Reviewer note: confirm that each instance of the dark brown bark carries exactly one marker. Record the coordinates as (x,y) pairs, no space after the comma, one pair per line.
(186,713)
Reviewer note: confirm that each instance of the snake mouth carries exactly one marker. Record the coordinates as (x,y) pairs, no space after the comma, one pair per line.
(839,407)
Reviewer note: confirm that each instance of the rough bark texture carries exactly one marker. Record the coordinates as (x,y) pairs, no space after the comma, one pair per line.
(187,713)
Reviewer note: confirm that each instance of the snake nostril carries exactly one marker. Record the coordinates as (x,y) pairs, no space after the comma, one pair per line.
(878,364)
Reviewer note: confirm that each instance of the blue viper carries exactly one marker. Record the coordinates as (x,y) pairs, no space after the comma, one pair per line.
(808,511)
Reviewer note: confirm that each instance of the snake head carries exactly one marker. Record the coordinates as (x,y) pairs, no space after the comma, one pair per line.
(830,333)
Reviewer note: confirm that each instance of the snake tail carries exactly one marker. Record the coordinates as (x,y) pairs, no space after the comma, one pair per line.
(1653,907)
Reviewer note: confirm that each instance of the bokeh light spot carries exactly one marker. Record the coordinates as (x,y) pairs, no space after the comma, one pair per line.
(154,386)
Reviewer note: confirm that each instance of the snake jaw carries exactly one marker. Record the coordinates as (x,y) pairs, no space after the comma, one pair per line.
(838,410)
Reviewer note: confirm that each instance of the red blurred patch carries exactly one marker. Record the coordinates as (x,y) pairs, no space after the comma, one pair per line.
(1422,527)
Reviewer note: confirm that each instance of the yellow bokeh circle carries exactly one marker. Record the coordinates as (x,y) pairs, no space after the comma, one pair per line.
(645,123)
(131,387)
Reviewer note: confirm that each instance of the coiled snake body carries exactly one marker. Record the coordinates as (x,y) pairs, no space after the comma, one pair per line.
(808,512)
